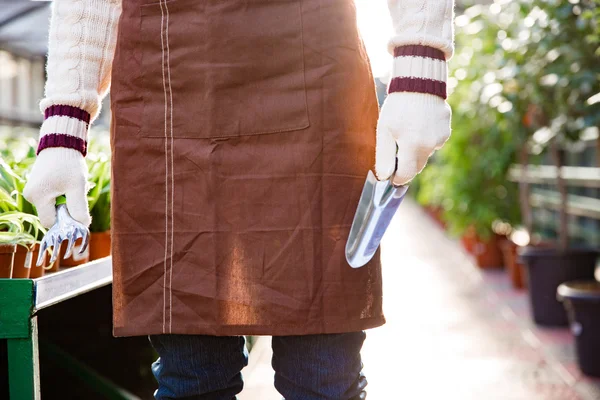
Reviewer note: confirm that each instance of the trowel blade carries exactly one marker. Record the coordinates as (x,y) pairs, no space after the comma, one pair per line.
(376,208)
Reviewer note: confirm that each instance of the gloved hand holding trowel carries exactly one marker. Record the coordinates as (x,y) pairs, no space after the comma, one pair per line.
(413,123)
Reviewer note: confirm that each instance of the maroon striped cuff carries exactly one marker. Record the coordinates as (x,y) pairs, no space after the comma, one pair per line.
(418,85)
(418,50)
(67,111)
(62,140)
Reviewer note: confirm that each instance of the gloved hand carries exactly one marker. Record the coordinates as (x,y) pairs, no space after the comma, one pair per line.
(418,124)
(59,171)
(415,116)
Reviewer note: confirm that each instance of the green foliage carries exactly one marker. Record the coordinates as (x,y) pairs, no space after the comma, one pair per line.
(99,196)
(592,14)
(11,189)
(18,220)
(19,228)
(524,73)
(561,69)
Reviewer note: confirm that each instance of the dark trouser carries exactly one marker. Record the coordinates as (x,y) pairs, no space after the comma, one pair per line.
(311,367)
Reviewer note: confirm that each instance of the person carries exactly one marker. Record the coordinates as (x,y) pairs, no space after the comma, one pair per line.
(241,134)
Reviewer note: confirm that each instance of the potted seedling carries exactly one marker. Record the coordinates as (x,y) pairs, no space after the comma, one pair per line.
(7,254)
(99,204)
(18,230)
(12,202)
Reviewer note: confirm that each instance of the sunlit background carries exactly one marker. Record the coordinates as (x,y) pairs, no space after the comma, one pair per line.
(376,28)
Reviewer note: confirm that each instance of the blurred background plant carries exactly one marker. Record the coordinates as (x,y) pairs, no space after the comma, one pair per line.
(19,228)
(524,85)
(98,160)
(18,218)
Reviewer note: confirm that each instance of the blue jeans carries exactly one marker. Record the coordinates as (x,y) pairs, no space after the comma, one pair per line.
(310,367)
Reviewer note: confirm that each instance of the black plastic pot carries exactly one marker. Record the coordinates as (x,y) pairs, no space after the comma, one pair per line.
(546,269)
(582,303)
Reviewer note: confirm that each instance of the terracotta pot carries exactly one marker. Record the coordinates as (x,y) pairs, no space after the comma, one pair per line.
(436,214)
(7,256)
(99,245)
(22,264)
(51,267)
(76,258)
(486,252)
(513,264)
(469,240)
(37,272)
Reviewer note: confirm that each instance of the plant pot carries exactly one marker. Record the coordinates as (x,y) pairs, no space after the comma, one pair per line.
(436,212)
(7,256)
(76,258)
(513,265)
(22,263)
(99,245)
(486,252)
(546,269)
(469,240)
(37,272)
(582,303)
(54,267)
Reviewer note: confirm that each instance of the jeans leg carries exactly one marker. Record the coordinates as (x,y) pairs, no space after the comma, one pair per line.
(198,367)
(319,367)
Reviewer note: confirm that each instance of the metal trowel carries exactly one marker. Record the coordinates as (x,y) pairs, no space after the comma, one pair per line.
(377,205)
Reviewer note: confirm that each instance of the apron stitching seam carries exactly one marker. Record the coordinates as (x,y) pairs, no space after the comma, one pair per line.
(162,46)
(172,172)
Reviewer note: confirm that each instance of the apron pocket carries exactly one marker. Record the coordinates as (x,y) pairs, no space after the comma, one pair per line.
(222,68)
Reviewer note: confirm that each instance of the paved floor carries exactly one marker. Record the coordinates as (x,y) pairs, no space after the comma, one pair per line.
(453,332)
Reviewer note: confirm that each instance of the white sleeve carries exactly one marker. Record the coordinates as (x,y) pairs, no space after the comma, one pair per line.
(423,22)
(81,48)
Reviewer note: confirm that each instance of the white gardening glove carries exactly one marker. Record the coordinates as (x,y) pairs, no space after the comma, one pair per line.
(58,171)
(418,124)
(415,116)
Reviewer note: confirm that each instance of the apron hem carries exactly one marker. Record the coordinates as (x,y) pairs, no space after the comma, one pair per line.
(261,330)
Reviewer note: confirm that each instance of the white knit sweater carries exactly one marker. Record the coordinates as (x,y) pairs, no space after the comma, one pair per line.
(81,49)
(83,35)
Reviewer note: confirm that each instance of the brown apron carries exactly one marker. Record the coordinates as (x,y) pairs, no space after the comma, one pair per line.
(242,133)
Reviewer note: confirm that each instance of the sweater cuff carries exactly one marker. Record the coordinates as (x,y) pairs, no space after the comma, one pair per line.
(419,69)
(64,126)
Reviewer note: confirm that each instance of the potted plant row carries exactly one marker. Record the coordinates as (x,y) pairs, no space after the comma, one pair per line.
(19,226)
(554,96)
(18,245)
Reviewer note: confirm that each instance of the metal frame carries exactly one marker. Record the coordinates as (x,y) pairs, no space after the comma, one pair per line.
(21,13)
(20,299)
(582,206)
(546,174)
